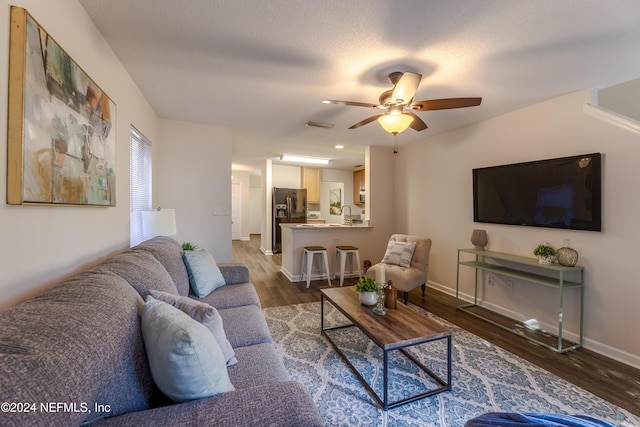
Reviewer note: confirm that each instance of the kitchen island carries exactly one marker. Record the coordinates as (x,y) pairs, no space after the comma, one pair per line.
(296,236)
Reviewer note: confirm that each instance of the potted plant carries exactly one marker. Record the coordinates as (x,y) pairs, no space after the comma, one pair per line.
(368,289)
(186,246)
(545,253)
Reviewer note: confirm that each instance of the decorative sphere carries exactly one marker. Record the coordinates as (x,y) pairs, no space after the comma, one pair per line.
(567,257)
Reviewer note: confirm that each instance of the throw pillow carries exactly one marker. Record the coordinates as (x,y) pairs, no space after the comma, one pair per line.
(185,360)
(205,314)
(204,274)
(399,253)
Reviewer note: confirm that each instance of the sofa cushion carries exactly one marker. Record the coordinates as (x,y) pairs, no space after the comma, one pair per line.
(79,341)
(205,314)
(169,253)
(399,253)
(233,296)
(142,270)
(259,364)
(186,361)
(245,326)
(274,404)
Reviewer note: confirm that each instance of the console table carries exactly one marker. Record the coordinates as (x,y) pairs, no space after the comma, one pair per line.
(555,276)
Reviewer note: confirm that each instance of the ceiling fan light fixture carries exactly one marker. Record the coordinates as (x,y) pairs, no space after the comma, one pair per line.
(395,123)
(300,159)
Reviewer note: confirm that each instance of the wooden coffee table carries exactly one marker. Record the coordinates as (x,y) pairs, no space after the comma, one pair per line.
(399,329)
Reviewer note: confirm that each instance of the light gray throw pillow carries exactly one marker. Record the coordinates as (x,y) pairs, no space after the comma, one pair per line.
(205,314)
(204,274)
(185,360)
(399,253)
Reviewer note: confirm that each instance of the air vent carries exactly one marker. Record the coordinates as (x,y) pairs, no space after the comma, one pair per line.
(319,124)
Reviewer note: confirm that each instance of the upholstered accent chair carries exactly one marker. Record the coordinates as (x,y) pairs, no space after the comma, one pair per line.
(406,263)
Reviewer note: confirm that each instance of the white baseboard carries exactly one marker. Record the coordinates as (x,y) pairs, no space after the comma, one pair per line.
(299,278)
(288,275)
(593,345)
(266,251)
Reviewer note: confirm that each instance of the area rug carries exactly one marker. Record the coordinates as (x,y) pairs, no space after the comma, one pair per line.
(485,378)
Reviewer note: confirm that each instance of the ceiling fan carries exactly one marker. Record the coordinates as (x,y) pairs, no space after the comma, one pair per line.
(398,103)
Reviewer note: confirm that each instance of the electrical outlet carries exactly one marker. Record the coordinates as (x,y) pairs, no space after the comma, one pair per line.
(490,279)
(508,283)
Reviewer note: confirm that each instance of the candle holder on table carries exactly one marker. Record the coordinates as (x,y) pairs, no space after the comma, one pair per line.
(379,308)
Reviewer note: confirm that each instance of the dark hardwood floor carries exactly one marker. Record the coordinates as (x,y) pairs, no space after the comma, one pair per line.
(611,380)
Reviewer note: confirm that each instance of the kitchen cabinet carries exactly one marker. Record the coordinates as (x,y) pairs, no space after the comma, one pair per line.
(358,187)
(311,181)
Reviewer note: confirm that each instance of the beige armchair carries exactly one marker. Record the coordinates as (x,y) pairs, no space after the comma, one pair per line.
(405,274)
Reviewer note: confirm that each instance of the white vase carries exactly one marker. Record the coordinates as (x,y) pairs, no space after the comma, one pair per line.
(546,260)
(368,298)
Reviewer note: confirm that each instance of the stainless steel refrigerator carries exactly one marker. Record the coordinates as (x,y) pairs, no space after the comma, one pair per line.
(289,206)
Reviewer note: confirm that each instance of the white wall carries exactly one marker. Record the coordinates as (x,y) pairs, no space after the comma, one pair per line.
(325,202)
(42,245)
(346,177)
(255,212)
(192,173)
(286,176)
(434,198)
(622,99)
(380,177)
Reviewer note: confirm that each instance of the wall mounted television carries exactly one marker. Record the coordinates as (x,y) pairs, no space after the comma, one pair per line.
(557,193)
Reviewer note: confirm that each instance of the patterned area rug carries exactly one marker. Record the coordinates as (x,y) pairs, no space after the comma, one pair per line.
(485,378)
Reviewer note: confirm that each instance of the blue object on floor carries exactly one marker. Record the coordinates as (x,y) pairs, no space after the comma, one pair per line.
(513,419)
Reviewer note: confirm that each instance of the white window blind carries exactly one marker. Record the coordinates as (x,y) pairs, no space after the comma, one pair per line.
(140,184)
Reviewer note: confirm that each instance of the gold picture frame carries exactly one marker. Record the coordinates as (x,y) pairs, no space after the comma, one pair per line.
(61,126)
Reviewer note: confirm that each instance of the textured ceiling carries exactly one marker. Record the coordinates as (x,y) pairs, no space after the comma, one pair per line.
(264,67)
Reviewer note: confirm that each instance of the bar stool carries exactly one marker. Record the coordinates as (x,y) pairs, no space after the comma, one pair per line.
(346,252)
(307,261)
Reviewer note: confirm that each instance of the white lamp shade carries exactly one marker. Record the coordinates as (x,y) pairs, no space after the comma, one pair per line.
(395,123)
(159,222)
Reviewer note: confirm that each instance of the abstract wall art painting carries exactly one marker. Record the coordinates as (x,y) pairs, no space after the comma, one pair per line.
(61,125)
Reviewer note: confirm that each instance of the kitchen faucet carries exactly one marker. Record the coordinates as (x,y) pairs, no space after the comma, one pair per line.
(350,220)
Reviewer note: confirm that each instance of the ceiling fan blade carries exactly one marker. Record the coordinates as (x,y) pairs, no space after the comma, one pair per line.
(366,121)
(417,123)
(406,88)
(351,103)
(446,103)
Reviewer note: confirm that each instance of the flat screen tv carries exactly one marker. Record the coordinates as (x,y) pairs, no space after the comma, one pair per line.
(556,193)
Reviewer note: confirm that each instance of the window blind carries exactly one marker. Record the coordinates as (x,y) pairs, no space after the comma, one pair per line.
(140,184)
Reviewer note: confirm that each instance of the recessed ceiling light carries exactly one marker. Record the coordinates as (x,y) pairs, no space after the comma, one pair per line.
(339,146)
(300,159)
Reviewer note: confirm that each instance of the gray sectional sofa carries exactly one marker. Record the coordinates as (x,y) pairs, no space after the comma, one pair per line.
(75,354)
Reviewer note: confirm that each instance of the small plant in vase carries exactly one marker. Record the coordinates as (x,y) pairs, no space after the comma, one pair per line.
(368,289)
(545,253)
